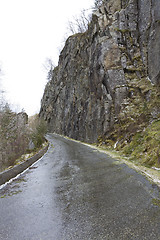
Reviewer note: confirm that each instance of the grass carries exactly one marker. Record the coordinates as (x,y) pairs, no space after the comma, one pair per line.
(145,146)
(137,131)
(11,194)
(156,202)
(3,196)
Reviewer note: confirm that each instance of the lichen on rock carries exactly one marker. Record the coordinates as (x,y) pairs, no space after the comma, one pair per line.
(107,81)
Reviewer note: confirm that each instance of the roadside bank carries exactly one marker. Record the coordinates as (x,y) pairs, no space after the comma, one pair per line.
(11,173)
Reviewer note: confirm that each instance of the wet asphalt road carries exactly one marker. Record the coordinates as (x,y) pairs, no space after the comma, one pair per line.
(75,192)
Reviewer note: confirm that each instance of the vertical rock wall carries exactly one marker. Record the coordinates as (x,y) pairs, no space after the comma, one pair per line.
(106,74)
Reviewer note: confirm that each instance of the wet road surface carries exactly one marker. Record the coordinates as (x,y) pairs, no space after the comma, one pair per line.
(75,192)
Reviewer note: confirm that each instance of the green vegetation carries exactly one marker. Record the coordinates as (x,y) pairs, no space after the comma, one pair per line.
(13,136)
(122,30)
(39,129)
(16,134)
(156,202)
(3,196)
(11,194)
(145,145)
(136,134)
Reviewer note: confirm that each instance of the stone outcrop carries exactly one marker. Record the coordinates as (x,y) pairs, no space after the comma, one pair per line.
(108,77)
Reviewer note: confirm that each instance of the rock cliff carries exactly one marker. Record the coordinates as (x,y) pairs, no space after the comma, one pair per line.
(106,84)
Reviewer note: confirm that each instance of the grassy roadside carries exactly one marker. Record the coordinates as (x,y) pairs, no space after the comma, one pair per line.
(153,174)
(27,156)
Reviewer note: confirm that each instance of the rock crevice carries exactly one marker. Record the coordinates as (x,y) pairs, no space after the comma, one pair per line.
(104,73)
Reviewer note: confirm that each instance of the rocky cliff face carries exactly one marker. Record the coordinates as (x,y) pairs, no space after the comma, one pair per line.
(107,80)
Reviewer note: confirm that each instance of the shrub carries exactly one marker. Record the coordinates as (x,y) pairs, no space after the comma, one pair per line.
(13,136)
(38,130)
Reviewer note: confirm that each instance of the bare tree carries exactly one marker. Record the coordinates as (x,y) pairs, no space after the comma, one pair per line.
(79,24)
(2,99)
(49,66)
(97,4)
(13,136)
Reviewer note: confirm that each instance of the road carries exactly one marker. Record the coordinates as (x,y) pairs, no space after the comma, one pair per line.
(75,192)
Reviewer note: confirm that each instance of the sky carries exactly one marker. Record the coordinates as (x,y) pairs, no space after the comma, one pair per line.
(30,32)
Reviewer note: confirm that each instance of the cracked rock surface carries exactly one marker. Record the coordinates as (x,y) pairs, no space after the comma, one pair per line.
(99,70)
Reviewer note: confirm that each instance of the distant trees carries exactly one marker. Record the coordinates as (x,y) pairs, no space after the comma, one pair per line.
(16,133)
(13,135)
(1,93)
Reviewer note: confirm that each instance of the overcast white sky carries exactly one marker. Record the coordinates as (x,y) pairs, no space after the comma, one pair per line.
(30,32)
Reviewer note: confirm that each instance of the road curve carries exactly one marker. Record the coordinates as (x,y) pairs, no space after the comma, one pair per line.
(75,192)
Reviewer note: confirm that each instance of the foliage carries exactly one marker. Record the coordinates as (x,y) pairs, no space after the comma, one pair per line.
(38,130)
(145,145)
(13,136)
(137,131)
(16,133)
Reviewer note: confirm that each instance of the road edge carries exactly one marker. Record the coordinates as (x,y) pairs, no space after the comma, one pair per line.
(7,175)
(152,174)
